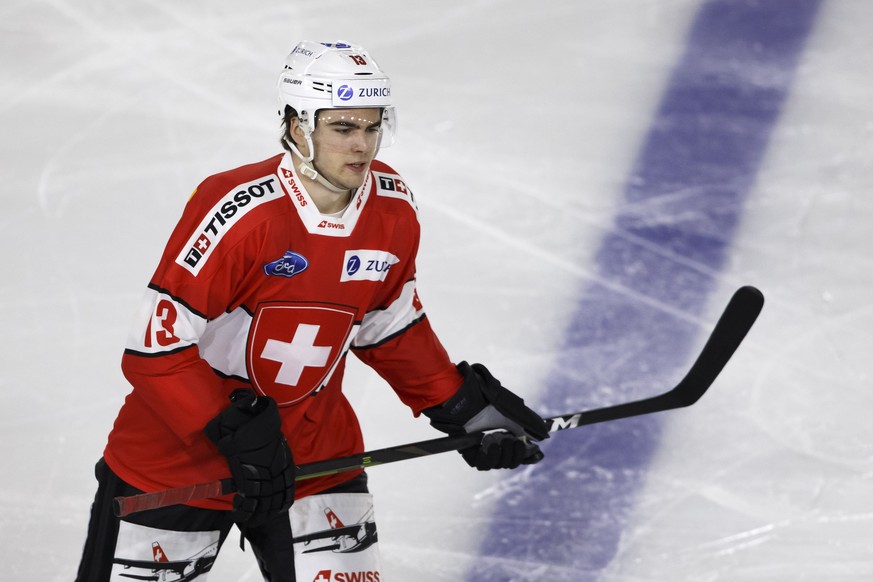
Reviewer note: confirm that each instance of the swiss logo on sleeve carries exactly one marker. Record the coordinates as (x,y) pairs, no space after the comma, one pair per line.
(293,348)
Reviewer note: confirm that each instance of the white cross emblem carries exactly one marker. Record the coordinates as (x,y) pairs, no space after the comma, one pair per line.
(297,355)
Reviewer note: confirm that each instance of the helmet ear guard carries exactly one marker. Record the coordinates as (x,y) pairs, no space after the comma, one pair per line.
(307,128)
(388,132)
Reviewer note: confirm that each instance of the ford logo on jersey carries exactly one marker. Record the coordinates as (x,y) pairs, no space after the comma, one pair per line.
(289,265)
(367,265)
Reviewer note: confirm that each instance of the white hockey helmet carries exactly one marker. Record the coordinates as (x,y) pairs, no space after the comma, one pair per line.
(332,76)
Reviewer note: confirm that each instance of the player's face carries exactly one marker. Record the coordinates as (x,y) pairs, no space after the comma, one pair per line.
(345,142)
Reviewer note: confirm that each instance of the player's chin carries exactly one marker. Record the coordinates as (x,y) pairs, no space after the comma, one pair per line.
(353,175)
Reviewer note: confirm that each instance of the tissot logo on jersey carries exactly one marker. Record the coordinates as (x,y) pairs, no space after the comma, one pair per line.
(367,265)
(227,212)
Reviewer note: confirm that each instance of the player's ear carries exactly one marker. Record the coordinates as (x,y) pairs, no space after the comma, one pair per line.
(296,130)
(297,135)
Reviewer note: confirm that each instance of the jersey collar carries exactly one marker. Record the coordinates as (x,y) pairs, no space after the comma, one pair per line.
(312,219)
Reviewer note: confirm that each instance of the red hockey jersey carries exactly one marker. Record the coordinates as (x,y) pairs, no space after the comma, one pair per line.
(257,289)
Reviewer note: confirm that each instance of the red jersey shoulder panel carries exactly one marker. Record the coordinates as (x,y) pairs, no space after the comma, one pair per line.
(221,203)
(390,185)
(227,209)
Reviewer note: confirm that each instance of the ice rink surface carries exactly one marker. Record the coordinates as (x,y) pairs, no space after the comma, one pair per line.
(526,133)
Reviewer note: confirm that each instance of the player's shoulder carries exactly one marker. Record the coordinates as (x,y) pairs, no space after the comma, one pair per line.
(391,188)
(225,209)
(251,179)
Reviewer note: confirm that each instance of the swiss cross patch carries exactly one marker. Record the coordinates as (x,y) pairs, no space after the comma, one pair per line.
(203,243)
(293,348)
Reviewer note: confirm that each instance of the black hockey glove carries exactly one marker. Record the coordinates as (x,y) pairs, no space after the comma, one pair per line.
(482,403)
(249,434)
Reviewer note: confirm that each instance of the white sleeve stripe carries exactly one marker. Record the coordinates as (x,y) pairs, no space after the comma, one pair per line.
(380,325)
(223,343)
(390,337)
(156,354)
(163,325)
(178,300)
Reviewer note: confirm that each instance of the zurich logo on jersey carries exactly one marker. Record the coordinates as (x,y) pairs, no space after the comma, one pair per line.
(345,92)
(289,265)
(367,265)
(352,265)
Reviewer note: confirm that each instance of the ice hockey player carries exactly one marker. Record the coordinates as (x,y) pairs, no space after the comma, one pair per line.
(274,273)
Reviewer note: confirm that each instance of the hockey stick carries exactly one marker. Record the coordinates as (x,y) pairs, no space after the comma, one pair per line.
(730,330)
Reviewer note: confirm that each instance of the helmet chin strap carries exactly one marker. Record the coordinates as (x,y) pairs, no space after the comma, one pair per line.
(307,166)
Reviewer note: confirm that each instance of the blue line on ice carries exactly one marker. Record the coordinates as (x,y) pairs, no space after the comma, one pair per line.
(563,520)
